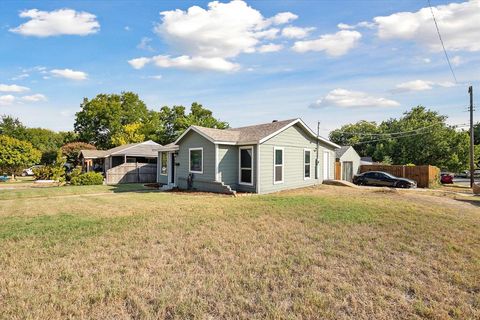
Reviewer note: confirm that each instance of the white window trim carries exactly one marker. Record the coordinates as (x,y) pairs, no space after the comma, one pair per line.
(283,164)
(240,165)
(190,162)
(166,173)
(304,164)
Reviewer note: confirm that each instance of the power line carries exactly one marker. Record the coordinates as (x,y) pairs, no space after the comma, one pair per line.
(441,41)
(389,133)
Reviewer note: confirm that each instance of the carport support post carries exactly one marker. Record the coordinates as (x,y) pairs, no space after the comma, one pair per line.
(472,165)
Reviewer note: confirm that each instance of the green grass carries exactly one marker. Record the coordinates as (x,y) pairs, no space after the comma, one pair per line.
(314,253)
(39,191)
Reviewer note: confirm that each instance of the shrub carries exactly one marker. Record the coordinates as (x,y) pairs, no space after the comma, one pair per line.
(74,173)
(54,171)
(87,179)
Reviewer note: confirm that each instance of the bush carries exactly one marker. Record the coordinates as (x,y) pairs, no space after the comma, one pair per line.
(87,179)
(74,173)
(54,171)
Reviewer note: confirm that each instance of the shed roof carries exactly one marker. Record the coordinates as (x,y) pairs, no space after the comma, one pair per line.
(140,149)
(341,151)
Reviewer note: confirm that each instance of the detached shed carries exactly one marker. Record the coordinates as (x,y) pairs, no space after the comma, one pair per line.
(347,163)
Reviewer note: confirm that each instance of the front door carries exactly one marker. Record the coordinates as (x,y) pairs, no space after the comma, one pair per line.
(326,165)
(171,171)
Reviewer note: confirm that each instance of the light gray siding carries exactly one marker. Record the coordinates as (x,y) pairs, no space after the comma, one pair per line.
(194,140)
(294,140)
(228,166)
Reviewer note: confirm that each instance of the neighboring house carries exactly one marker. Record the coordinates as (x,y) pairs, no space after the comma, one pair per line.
(366,160)
(103,160)
(261,158)
(347,163)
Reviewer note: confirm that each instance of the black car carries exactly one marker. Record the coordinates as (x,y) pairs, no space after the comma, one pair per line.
(382,179)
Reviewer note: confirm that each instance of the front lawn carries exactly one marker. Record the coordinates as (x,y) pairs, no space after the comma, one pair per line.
(324,252)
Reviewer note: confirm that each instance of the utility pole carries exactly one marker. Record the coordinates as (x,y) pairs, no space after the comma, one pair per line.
(472,166)
(317,174)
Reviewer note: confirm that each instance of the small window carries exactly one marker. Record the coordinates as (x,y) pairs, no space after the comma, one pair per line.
(246,165)
(131,160)
(196,160)
(163,163)
(307,163)
(278,165)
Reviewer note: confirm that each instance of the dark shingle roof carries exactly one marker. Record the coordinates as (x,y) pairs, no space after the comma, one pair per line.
(341,151)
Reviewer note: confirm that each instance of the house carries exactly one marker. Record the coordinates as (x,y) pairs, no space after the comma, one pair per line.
(105,160)
(347,163)
(260,158)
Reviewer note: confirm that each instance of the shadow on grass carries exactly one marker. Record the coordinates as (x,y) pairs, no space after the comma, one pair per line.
(475,202)
(134,187)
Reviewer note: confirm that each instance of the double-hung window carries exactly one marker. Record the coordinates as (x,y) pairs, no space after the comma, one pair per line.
(163,163)
(278,163)
(246,165)
(196,160)
(307,163)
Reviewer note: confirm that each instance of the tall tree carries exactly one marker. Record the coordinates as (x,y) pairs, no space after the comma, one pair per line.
(16,155)
(420,136)
(106,115)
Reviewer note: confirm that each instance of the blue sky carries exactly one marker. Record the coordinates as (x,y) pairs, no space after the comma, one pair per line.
(250,62)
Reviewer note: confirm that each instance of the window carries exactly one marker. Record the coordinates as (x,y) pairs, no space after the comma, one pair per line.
(277,165)
(196,160)
(131,160)
(163,163)
(306,163)
(246,165)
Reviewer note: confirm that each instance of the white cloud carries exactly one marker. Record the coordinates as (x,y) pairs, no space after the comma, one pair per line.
(333,44)
(139,63)
(283,17)
(296,32)
(57,22)
(456,61)
(420,85)
(343,98)
(145,44)
(34,98)
(458,24)
(415,85)
(12,88)
(156,77)
(208,39)
(69,74)
(20,77)
(427,60)
(271,47)
(363,24)
(7,100)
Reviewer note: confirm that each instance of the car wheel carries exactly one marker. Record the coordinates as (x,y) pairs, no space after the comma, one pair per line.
(402,185)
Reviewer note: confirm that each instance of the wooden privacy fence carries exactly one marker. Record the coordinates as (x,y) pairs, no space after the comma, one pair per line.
(426,176)
(132,173)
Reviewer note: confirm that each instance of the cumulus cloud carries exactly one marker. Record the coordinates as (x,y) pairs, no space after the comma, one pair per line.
(363,24)
(186,62)
(458,23)
(296,32)
(7,100)
(69,74)
(420,85)
(335,45)
(271,47)
(216,34)
(57,22)
(343,98)
(34,98)
(12,88)
(145,44)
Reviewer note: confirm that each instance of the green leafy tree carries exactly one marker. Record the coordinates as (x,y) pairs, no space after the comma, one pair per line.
(12,127)
(105,116)
(419,137)
(476,133)
(71,150)
(130,133)
(176,121)
(54,171)
(16,155)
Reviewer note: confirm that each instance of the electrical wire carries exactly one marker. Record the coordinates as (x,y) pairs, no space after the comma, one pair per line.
(441,41)
(385,134)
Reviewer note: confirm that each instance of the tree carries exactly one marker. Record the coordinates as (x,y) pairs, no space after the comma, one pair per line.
(105,116)
(71,150)
(476,133)
(419,137)
(175,121)
(16,155)
(130,133)
(12,127)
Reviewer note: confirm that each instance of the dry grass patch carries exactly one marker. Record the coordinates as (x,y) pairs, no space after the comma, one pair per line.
(313,253)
